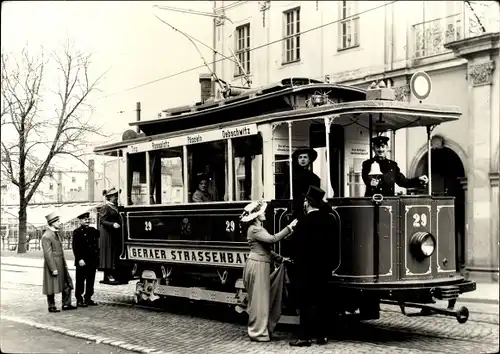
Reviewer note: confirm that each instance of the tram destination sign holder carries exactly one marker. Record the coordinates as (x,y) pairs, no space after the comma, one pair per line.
(421,88)
(420,85)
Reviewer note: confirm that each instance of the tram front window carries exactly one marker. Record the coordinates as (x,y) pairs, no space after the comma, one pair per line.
(137,182)
(248,176)
(207,171)
(166,178)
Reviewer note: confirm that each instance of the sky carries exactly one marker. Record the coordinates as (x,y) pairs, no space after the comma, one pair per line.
(125,38)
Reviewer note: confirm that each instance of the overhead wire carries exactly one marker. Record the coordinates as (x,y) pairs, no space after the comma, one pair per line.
(250,50)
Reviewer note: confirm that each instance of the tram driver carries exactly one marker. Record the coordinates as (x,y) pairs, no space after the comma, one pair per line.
(389,172)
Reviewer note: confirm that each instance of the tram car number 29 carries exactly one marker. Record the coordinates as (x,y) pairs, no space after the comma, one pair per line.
(419,220)
(230,226)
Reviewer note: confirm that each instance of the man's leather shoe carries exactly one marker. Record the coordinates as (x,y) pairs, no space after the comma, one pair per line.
(69,307)
(54,309)
(80,303)
(90,302)
(300,343)
(321,341)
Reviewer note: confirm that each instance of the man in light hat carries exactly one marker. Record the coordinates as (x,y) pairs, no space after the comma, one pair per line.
(390,173)
(56,277)
(315,241)
(110,235)
(303,177)
(86,251)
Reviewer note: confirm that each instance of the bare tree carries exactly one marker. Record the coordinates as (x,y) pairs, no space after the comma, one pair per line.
(35,129)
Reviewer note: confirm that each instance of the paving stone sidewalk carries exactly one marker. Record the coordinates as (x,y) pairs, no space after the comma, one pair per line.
(180,332)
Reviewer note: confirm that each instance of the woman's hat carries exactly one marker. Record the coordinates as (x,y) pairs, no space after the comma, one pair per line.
(112,191)
(52,218)
(380,140)
(313,155)
(315,196)
(253,210)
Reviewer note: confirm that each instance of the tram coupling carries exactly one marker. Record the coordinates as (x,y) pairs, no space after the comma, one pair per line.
(461,314)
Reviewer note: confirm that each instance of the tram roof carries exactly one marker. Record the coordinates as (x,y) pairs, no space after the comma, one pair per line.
(385,115)
(250,103)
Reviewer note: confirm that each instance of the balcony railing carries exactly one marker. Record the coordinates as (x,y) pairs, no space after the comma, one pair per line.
(431,36)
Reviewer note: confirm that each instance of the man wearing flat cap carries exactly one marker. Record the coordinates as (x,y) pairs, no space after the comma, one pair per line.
(382,182)
(315,241)
(56,277)
(303,177)
(86,251)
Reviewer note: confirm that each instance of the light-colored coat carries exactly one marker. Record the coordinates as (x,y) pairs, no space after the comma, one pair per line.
(53,254)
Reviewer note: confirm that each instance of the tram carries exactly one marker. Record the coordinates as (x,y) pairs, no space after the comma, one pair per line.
(243,145)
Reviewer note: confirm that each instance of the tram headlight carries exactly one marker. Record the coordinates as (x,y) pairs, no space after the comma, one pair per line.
(423,244)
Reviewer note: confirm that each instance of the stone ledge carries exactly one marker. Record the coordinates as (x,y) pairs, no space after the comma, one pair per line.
(98,340)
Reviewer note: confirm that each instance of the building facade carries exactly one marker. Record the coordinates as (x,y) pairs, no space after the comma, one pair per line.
(360,42)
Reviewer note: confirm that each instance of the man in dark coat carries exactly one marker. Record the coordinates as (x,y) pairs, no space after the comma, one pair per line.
(303,177)
(390,173)
(315,240)
(110,235)
(86,251)
(56,277)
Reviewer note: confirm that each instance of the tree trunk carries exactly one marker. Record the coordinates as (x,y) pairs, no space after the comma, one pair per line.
(21,243)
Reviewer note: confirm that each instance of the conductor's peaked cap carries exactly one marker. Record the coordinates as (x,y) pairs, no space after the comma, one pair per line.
(380,140)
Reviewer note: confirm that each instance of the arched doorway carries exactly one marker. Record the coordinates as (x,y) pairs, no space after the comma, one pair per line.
(447,175)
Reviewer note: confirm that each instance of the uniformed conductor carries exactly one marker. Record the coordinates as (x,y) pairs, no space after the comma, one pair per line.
(86,251)
(384,183)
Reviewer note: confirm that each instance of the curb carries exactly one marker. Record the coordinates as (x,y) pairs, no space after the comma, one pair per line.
(478,301)
(30,266)
(89,337)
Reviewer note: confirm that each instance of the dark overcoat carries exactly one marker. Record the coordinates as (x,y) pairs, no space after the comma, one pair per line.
(109,236)
(315,245)
(53,259)
(391,175)
(86,245)
(302,179)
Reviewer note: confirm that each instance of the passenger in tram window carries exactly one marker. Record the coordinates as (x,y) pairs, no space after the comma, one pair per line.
(313,247)
(303,177)
(110,232)
(201,195)
(390,172)
(265,290)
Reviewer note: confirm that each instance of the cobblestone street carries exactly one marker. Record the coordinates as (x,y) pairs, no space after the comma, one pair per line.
(202,329)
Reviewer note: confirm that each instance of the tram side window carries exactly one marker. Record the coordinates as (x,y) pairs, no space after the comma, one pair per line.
(137,185)
(207,171)
(166,177)
(248,174)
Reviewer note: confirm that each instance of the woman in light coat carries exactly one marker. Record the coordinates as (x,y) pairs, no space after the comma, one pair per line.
(264,292)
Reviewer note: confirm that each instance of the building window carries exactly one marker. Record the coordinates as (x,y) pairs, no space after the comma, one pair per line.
(242,49)
(349,26)
(51,186)
(73,179)
(291,36)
